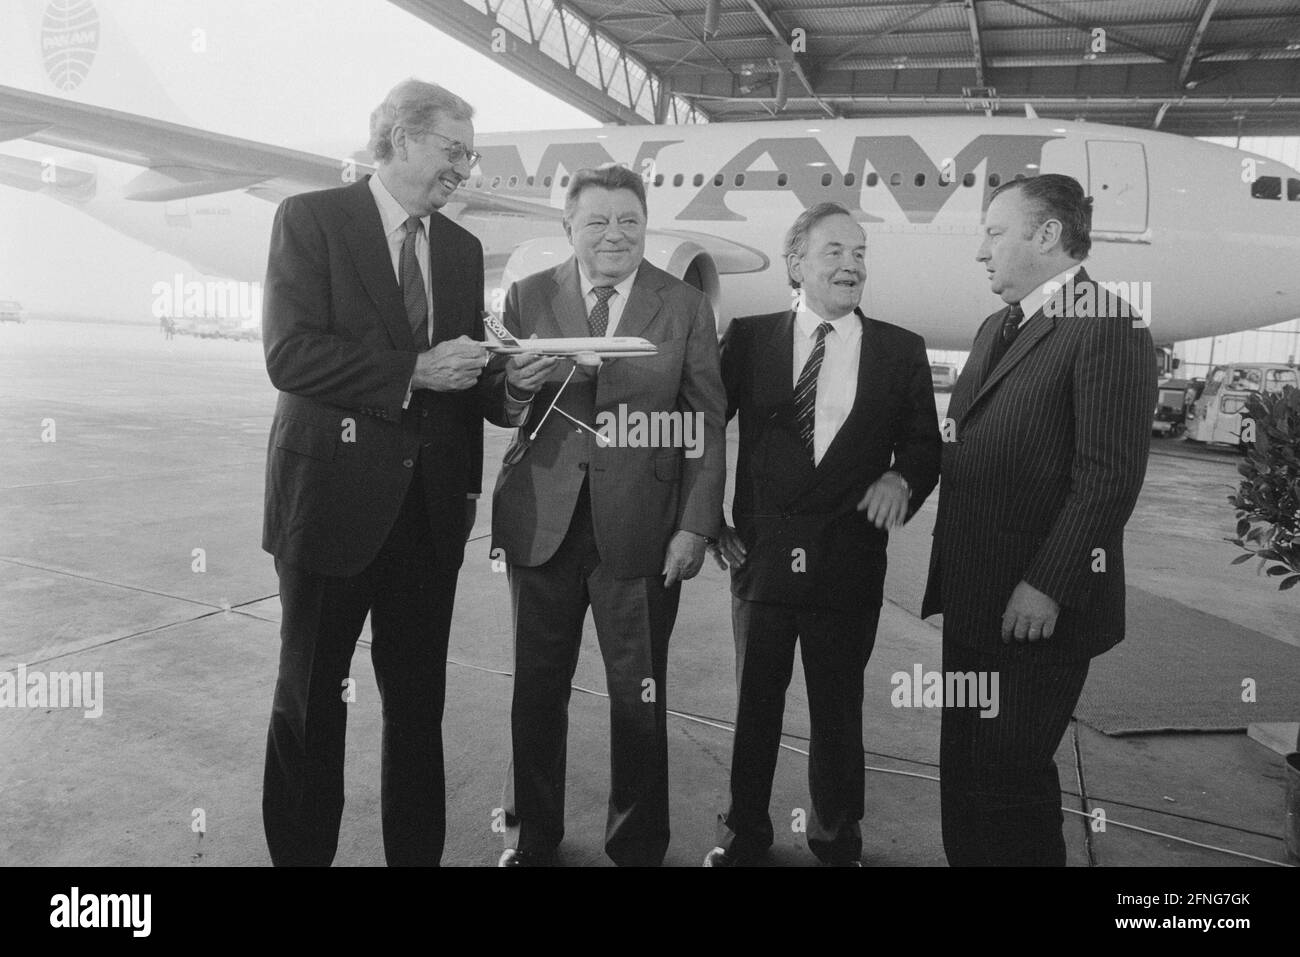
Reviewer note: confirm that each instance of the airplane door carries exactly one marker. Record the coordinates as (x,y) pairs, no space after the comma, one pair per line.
(1117,183)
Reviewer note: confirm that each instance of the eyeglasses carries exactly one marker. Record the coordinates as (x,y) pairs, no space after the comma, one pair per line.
(458,151)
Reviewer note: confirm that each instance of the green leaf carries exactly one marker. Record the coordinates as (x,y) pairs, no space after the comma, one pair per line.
(1289,583)
(1243,558)
(1276,570)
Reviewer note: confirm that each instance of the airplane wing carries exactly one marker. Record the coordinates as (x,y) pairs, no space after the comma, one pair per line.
(182,161)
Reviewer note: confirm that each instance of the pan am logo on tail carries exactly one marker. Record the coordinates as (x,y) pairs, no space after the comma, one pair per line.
(69,41)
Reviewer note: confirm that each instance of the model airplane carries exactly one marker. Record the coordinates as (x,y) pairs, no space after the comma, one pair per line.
(583,350)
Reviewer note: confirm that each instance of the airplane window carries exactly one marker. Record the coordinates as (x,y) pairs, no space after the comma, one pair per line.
(895,179)
(968,179)
(659,179)
(872,179)
(1019,176)
(547,181)
(514,181)
(740,179)
(849,179)
(995,180)
(1266,187)
(478,183)
(717,180)
(1293,190)
(698,180)
(919,179)
(564,180)
(530,181)
(782,179)
(678,179)
(826,179)
(496,181)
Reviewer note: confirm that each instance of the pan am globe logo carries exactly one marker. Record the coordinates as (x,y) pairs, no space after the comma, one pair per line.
(69,39)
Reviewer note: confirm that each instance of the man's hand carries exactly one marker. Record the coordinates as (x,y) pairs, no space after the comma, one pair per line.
(886,501)
(1030,615)
(684,559)
(471,513)
(730,550)
(450,366)
(526,373)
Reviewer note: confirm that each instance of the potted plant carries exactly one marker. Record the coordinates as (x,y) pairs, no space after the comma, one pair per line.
(1268,525)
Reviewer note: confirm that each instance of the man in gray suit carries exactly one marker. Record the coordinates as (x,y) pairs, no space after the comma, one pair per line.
(1045,451)
(592,514)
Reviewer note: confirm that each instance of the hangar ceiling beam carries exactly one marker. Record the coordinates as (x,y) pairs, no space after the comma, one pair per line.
(784,37)
(972,17)
(1085,26)
(561,52)
(1189,57)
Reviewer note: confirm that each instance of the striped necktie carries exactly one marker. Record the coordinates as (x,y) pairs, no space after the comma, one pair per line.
(1007,334)
(805,391)
(413,297)
(598,321)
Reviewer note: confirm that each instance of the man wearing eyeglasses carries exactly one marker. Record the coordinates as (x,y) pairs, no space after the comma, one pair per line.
(371,324)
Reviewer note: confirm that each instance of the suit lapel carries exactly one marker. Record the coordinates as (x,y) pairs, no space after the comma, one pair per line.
(566,302)
(642,303)
(364,235)
(774,365)
(442,279)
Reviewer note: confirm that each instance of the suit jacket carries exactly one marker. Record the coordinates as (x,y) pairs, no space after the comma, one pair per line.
(1049,455)
(640,495)
(782,502)
(339,348)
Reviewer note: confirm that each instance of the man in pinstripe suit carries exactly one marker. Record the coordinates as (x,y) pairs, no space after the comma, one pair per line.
(1045,451)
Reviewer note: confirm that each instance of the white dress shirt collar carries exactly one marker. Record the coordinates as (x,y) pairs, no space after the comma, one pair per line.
(391,213)
(847,326)
(622,289)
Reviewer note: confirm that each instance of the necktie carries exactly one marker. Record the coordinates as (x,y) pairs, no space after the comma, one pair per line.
(805,391)
(598,321)
(417,306)
(1007,334)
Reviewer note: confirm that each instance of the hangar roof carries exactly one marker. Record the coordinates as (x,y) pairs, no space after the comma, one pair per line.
(1197,67)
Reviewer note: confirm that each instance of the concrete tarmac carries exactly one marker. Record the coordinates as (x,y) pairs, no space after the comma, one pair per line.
(130,516)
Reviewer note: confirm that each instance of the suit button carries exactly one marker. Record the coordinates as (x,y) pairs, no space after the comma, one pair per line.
(424,413)
(583,466)
(409,463)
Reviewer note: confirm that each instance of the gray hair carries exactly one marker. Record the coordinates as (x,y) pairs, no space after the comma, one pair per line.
(796,239)
(610,177)
(415,105)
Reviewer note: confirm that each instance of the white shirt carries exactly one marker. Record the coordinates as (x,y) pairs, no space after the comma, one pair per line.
(1039,297)
(394,218)
(837,381)
(622,290)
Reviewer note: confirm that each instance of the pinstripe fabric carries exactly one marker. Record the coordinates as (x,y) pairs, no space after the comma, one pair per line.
(1000,792)
(1050,453)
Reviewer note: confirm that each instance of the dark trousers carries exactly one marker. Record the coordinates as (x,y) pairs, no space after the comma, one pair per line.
(835,646)
(1000,792)
(634,618)
(410,606)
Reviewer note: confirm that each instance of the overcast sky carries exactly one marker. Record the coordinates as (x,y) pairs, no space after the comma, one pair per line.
(287,72)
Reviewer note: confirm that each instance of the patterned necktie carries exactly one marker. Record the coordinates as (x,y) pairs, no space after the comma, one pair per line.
(1007,334)
(598,321)
(805,391)
(417,306)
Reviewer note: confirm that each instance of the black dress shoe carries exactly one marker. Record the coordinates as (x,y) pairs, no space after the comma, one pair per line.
(728,857)
(514,857)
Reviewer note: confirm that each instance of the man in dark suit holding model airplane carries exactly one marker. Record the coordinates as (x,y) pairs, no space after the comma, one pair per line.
(591,515)
(370,327)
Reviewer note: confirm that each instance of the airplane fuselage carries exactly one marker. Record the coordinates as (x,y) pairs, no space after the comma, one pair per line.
(1174,213)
